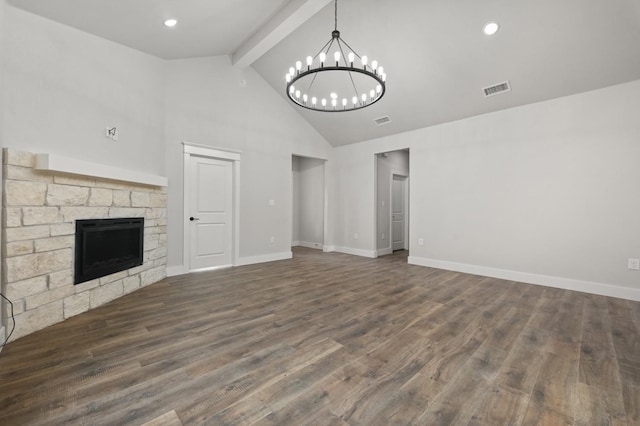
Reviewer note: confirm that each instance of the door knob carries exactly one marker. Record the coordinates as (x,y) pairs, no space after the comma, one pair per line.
(194,218)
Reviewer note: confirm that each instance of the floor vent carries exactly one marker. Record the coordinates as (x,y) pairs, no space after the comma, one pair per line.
(382,120)
(497,89)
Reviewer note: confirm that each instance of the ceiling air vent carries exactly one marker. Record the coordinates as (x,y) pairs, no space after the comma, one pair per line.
(382,120)
(496,89)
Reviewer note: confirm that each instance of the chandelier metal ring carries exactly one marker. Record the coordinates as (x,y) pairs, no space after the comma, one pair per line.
(339,107)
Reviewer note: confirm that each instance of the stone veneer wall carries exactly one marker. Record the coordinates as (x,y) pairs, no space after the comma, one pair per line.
(38,224)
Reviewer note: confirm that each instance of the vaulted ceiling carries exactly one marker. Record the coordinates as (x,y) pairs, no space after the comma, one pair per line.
(434,52)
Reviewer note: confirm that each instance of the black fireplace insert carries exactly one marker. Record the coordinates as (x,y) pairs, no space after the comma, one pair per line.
(106,246)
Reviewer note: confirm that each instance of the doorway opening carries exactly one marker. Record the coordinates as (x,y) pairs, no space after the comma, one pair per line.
(308,202)
(392,201)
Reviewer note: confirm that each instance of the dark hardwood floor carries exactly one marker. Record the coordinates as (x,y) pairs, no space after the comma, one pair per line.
(332,339)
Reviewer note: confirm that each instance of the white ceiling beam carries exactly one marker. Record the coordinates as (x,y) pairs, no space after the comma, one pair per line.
(290,17)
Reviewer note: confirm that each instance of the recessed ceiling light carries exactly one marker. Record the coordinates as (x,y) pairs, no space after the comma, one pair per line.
(491,28)
(170,23)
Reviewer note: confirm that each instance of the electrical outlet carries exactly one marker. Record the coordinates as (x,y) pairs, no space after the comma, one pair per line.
(272,203)
(634,264)
(420,241)
(273,239)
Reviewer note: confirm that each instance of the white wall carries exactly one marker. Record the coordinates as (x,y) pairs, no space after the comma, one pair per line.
(2,94)
(208,105)
(309,204)
(295,231)
(543,193)
(386,166)
(62,87)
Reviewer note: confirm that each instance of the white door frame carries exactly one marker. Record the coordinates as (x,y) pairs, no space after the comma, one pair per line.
(189,150)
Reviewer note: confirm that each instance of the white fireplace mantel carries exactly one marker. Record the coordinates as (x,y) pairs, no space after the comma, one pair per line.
(80,167)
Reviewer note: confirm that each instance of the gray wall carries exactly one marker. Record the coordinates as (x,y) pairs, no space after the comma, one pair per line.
(3,321)
(62,87)
(543,193)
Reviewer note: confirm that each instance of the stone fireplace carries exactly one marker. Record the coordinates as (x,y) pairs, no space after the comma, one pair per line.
(40,208)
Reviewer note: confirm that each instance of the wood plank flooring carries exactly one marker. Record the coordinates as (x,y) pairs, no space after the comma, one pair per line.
(332,339)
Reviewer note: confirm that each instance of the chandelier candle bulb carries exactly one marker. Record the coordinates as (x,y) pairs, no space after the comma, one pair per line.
(309,62)
(292,89)
(313,101)
(344,102)
(381,70)
(352,57)
(324,102)
(297,94)
(354,100)
(304,98)
(298,66)
(364,60)
(336,56)
(364,98)
(374,65)
(323,58)
(334,102)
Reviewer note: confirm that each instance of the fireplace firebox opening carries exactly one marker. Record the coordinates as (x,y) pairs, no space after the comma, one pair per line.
(106,246)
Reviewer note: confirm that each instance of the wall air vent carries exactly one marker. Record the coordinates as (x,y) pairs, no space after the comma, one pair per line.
(382,120)
(496,89)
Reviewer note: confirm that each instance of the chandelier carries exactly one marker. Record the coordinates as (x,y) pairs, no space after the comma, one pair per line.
(342,84)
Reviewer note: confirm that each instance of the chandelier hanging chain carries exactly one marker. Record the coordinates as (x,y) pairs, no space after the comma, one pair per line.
(345,54)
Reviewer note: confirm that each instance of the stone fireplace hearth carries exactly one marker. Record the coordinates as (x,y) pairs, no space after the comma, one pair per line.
(38,227)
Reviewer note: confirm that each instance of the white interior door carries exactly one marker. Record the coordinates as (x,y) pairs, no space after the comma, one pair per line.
(211,212)
(398,213)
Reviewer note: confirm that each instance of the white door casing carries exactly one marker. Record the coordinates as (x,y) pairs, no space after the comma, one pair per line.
(211,207)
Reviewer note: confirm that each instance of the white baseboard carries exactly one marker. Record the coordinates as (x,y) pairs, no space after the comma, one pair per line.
(172,271)
(307,244)
(355,252)
(384,251)
(295,243)
(264,258)
(602,289)
(328,249)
